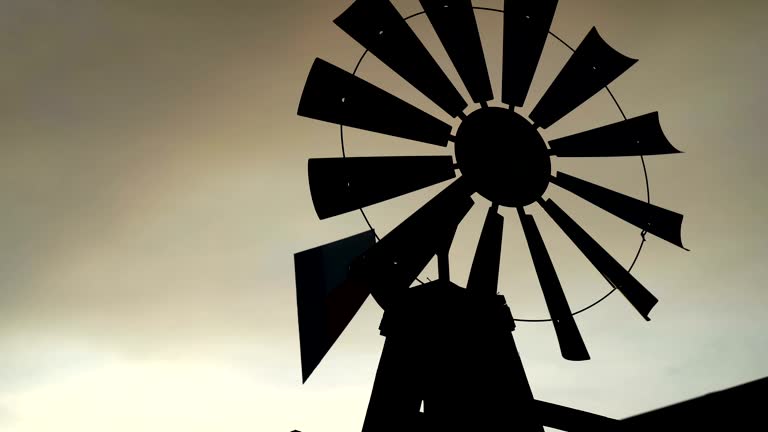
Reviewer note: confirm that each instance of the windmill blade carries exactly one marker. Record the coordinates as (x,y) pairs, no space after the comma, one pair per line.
(455,24)
(340,185)
(392,264)
(593,66)
(484,275)
(612,271)
(526,26)
(378,26)
(325,304)
(334,95)
(658,221)
(571,344)
(639,136)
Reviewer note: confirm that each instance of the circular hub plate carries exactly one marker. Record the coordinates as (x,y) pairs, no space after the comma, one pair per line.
(503,156)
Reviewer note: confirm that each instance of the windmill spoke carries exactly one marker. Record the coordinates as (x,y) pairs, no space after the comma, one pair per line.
(642,299)
(484,275)
(593,66)
(526,26)
(455,24)
(639,136)
(334,95)
(340,185)
(658,221)
(378,26)
(571,343)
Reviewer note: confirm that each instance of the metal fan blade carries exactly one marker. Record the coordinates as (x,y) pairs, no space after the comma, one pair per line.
(393,264)
(639,136)
(455,24)
(526,26)
(325,304)
(658,221)
(593,66)
(571,344)
(340,185)
(484,275)
(612,271)
(378,27)
(334,95)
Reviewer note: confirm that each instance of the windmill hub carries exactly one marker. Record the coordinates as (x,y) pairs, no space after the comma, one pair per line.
(503,156)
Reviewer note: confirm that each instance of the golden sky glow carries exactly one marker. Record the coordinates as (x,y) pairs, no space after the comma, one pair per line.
(153,182)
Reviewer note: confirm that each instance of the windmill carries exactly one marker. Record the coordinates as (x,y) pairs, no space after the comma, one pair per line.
(449,360)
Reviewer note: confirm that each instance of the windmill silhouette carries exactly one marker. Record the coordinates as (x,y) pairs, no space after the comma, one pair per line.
(449,361)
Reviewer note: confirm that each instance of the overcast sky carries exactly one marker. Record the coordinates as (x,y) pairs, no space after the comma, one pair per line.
(153,186)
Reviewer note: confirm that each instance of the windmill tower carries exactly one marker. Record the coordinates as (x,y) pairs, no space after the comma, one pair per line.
(450,361)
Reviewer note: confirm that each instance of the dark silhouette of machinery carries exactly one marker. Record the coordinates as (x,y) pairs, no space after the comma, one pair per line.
(450,349)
